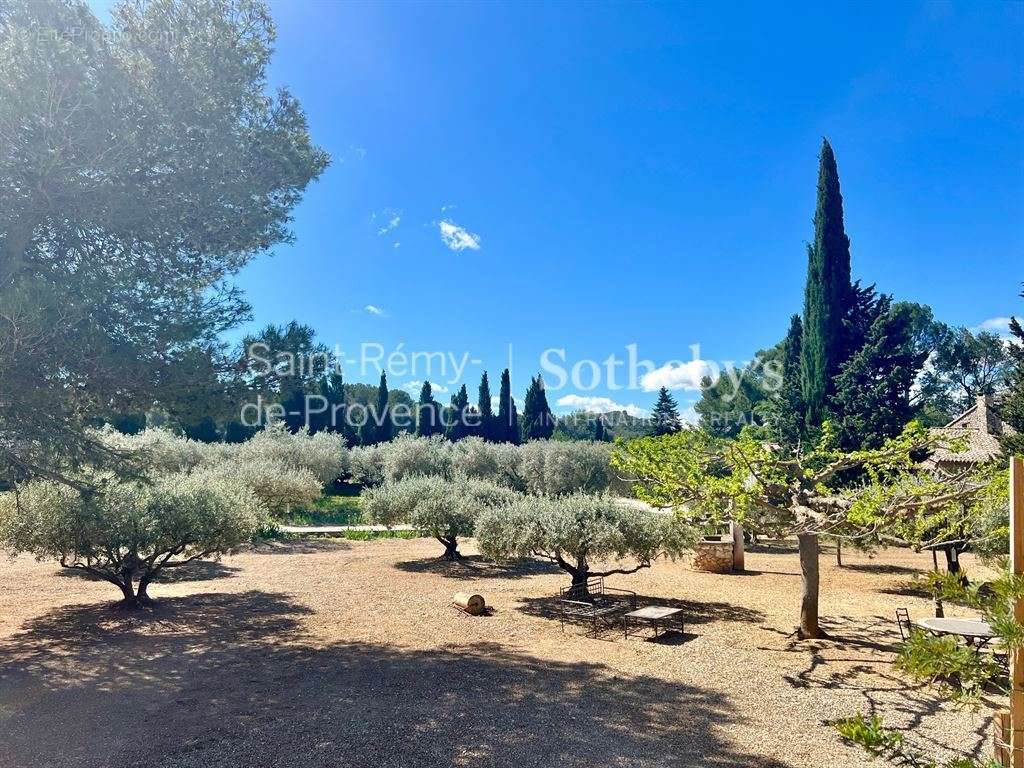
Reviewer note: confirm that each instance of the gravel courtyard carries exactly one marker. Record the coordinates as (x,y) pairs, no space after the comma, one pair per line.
(338,653)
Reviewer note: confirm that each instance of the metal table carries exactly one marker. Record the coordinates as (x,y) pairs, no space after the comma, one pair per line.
(974,631)
(656,616)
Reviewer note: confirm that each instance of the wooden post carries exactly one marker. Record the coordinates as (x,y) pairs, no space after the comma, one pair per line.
(1001,738)
(1017,656)
(737,545)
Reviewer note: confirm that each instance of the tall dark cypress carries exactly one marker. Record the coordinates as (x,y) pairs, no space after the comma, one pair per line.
(457,415)
(485,428)
(538,421)
(789,416)
(600,435)
(507,423)
(1013,399)
(428,412)
(827,295)
(385,429)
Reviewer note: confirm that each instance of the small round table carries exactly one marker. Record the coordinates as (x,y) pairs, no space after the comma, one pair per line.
(974,631)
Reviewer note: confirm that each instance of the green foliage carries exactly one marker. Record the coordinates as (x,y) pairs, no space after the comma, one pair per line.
(743,397)
(175,169)
(327,510)
(458,417)
(385,429)
(665,415)
(788,415)
(1012,409)
(872,735)
(872,392)
(428,413)
(538,420)
(485,424)
(435,506)
(827,294)
(130,531)
(506,425)
(577,530)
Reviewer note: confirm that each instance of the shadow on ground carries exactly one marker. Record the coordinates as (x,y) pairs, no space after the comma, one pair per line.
(233,680)
(695,613)
(199,570)
(305,546)
(883,568)
(476,567)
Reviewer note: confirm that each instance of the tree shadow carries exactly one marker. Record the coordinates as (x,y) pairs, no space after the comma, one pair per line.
(694,612)
(304,546)
(199,570)
(233,679)
(882,568)
(476,567)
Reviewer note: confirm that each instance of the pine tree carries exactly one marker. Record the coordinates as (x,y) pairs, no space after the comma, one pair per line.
(666,414)
(485,427)
(872,400)
(457,414)
(827,295)
(538,421)
(428,413)
(1012,406)
(789,408)
(507,423)
(385,428)
(599,432)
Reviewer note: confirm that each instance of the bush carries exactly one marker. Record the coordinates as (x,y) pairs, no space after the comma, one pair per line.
(410,456)
(558,468)
(130,531)
(576,530)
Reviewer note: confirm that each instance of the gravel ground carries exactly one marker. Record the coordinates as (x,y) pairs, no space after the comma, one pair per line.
(330,653)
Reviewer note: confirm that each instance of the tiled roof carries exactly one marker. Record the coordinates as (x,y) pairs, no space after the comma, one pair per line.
(979,429)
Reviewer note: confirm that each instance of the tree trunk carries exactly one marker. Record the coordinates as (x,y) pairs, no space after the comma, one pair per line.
(451,548)
(809,549)
(839,553)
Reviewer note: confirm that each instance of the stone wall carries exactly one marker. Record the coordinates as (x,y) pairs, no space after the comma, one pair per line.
(713,556)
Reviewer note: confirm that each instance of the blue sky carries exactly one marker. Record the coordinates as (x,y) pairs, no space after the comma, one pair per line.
(590,176)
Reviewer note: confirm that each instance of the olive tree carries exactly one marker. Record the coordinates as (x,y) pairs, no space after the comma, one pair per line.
(444,509)
(578,531)
(128,532)
(556,468)
(878,493)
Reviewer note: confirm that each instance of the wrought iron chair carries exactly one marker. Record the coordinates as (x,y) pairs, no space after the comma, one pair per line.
(903,622)
(594,605)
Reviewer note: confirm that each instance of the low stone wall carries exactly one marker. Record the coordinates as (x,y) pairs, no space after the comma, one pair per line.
(713,556)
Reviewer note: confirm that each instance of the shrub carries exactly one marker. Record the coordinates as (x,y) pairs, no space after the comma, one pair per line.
(410,456)
(557,468)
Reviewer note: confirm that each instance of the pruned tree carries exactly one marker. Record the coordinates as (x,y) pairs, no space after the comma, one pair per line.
(447,510)
(708,481)
(128,533)
(578,531)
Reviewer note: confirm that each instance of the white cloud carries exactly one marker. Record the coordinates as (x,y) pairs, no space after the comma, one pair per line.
(414,387)
(598,405)
(689,416)
(372,309)
(397,244)
(677,375)
(393,220)
(997,324)
(458,238)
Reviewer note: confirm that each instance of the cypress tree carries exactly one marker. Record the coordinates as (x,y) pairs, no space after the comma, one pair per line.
(428,413)
(457,427)
(385,429)
(538,421)
(507,424)
(485,428)
(827,295)
(789,416)
(599,433)
(666,414)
